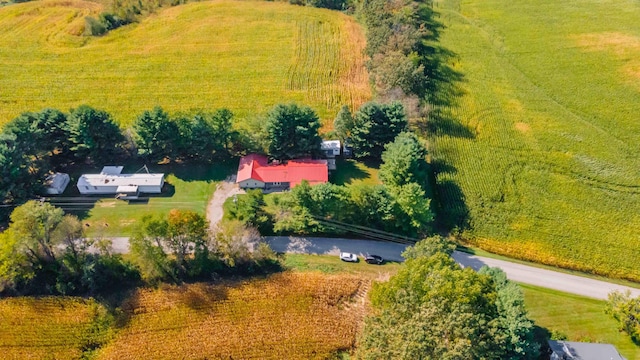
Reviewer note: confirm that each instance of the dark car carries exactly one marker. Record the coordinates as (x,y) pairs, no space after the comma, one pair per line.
(374,259)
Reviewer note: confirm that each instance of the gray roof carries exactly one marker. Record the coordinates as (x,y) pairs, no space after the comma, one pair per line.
(584,351)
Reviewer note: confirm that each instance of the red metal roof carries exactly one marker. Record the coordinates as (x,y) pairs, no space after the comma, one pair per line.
(257,167)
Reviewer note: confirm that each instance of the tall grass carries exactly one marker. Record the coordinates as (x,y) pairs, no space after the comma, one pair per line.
(243,55)
(542,147)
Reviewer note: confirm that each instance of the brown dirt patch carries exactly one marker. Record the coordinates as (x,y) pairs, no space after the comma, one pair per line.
(619,43)
(522,127)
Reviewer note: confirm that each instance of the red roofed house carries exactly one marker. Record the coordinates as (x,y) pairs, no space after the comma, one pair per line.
(255,172)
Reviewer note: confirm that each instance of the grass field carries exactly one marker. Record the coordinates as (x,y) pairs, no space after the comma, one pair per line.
(541,149)
(288,315)
(243,55)
(187,188)
(49,327)
(580,319)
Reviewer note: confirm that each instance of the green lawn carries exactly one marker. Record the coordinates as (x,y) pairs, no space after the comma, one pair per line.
(541,148)
(243,55)
(580,319)
(188,187)
(331,264)
(350,171)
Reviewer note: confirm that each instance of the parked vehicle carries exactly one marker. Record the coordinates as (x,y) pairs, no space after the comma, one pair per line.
(348,257)
(374,259)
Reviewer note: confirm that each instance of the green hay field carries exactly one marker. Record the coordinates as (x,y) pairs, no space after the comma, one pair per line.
(243,55)
(542,147)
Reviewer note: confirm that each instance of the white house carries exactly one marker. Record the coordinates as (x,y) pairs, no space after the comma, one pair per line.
(55,184)
(112,181)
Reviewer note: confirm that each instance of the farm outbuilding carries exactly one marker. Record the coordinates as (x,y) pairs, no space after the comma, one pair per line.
(55,184)
(112,181)
(255,172)
(561,350)
(330,148)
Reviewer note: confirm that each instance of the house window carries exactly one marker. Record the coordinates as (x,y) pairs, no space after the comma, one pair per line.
(86,187)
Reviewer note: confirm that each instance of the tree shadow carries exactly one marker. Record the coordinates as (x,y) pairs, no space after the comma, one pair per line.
(540,336)
(452,213)
(347,171)
(442,93)
(200,171)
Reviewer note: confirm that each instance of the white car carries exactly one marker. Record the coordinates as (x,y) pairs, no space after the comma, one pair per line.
(349,257)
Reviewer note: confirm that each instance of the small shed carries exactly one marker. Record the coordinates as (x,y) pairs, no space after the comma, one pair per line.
(55,184)
(330,148)
(568,350)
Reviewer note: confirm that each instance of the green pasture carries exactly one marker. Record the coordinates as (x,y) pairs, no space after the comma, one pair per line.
(579,318)
(242,55)
(538,156)
(187,187)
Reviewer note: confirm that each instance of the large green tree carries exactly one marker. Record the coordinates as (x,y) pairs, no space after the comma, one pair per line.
(376,125)
(404,161)
(157,136)
(94,135)
(46,252)
(626,310)
(433,309)
(165,248)
(293,132)
(20,178)
(516,329)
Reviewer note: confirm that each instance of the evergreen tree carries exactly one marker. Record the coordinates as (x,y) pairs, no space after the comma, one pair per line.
(376,125)
(293,132)
(94,135)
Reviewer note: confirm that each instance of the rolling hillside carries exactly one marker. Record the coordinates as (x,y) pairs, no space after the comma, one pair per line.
(243,55)
(540,159)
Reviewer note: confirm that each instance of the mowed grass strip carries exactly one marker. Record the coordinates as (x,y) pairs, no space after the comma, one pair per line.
(46,327)
(286,315)
(579,318)
(243,55)
(542,147)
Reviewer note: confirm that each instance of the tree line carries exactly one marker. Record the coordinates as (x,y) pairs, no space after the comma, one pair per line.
(44,251)
(38,143)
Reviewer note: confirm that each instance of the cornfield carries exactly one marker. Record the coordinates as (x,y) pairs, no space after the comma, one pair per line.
(46,328)
(288,315)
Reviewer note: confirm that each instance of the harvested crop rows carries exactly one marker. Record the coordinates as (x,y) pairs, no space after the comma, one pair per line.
(288,315)
(540,156)
(243,55)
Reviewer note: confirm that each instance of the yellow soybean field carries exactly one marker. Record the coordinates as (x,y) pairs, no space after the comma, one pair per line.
(540,158)
(243,55)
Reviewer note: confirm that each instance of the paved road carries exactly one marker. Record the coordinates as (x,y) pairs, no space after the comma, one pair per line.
(516,272)
(391,251)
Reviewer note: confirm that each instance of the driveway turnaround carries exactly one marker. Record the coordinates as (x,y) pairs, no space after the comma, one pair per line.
(391,251)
